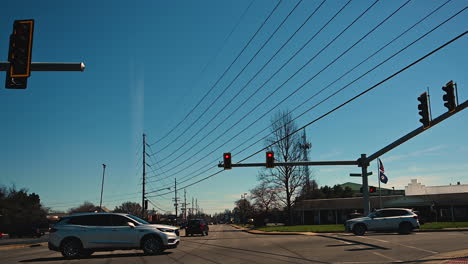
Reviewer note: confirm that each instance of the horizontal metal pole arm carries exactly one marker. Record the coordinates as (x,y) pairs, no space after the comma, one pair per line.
(50,66)
(297,163)
(416,132)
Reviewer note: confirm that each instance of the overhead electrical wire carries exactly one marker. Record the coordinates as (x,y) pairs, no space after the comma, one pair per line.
(237,57)
(225,89)
(336,108)
(291,77)
(229,101)
(204,70)
(412,43)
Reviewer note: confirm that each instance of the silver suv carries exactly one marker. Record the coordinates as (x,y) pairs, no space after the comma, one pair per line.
(391,219)
(79,235)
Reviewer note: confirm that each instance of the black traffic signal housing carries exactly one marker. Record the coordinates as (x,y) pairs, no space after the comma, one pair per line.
(19,54)
(270,159)
(449,96)
(424,110)
(227,161)
(372,189)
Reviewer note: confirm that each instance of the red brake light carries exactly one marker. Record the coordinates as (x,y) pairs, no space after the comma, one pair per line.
(416,217)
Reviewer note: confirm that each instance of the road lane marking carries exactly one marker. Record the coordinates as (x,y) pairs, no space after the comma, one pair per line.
(387,257)
(420,249)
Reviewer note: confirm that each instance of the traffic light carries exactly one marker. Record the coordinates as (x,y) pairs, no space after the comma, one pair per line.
(270,159)
(146,204)
(449,96)
(372,189)
(227,161)
(19,54)
(424,110)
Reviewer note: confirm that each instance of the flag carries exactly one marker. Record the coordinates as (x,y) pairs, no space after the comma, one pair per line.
(382,176)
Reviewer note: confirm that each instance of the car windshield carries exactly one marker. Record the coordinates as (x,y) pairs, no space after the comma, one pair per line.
(141,221)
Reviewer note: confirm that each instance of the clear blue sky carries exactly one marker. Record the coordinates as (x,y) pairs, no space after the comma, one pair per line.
(148,64)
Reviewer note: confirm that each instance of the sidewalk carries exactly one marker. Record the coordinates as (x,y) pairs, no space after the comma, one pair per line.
(10,243)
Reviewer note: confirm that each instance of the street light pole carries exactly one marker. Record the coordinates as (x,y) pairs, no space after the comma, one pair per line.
(102,185)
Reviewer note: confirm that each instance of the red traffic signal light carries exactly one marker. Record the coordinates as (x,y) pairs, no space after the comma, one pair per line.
(372,189)
(227,161)
(270,159)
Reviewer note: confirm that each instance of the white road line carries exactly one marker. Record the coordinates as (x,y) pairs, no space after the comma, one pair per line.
(387,257)
(420,249)
(380,240)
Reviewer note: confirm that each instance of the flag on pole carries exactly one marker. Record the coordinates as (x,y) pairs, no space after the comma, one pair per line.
(382,176)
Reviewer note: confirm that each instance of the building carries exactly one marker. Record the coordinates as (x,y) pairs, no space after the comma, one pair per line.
(416,188)
(431,203)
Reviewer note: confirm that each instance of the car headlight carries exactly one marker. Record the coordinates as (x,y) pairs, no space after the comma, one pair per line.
(166,230)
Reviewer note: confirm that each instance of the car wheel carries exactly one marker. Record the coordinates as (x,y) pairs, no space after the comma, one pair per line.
(359,229)
(71,248)
(206,233)
(152,245)
(405,228)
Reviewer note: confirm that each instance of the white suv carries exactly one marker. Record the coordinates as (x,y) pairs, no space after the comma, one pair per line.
(79,235)
(391,219)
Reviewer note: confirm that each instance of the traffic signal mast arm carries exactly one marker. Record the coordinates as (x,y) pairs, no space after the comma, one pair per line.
(361,162)
(416,132)
(50,66)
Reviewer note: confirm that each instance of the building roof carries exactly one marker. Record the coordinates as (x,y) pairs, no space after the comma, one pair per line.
(387,201)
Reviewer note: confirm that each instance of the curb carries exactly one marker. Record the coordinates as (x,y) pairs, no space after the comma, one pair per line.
(460,256)
(258,232)
(15,246)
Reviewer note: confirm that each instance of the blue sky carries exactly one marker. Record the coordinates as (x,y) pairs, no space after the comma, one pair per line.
(148,64)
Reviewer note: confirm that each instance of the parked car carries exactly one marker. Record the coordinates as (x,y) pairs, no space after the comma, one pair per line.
(80,235)
(391,219)
(197,226)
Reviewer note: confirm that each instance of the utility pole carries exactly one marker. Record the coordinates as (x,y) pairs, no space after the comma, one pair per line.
(185,204)
(305,146)
(144,177)
(192,206)
(196,206)
(175,198)
(102,185)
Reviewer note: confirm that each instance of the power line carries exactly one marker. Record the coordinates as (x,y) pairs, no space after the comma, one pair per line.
(346,73)
(362,93)
(251,79)
(357,96)
(300,69)
(227,69)
(204,70)
(235,78)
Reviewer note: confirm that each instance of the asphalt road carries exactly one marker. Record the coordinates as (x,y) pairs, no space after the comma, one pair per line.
(228,245)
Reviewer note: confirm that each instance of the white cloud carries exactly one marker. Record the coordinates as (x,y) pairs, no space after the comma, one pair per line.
(432,151)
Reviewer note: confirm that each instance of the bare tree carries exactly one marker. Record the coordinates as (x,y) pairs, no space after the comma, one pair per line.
(264,197)
(86,207)
(129,208)
(286,179)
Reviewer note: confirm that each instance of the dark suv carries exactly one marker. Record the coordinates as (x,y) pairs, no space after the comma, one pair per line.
(197,226)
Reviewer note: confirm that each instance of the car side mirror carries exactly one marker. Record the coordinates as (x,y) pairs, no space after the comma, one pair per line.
(130,224)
